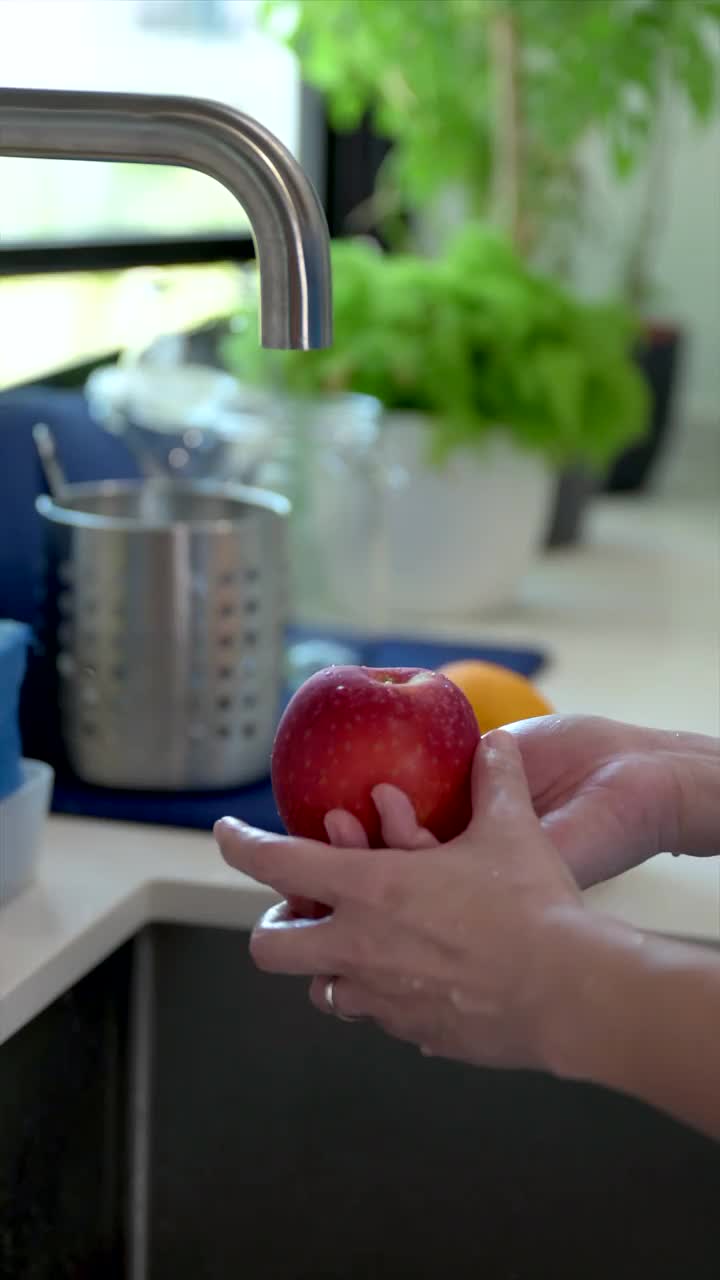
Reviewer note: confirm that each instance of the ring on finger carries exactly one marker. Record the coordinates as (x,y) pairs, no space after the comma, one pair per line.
(331,1004)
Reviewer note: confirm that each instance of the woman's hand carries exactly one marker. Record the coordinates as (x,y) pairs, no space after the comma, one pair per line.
(611,795)
(452,950)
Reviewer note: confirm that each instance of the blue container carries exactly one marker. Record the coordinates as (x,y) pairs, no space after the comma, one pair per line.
(14,640)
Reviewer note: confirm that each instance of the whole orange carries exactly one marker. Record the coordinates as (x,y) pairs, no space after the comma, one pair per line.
(497,695)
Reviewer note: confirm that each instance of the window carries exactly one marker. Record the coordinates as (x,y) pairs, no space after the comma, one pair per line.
(203,48)
(87,223)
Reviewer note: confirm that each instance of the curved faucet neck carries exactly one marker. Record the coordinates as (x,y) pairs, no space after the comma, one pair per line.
(286,218)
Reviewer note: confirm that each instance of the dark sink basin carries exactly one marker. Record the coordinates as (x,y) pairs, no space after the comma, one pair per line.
(270,1143)
(287,1146)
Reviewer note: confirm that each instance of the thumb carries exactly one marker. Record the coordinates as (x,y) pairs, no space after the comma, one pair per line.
(499,786)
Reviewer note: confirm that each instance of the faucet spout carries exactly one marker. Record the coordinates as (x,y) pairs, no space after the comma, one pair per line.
(286,217)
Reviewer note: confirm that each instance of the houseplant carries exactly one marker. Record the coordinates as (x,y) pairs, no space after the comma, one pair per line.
(686,60)
(494,99)
(490,374)
(496,96)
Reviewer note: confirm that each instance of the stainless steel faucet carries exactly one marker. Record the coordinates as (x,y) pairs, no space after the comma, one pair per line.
(286,217)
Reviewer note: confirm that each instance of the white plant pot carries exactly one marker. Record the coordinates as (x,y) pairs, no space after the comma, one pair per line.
(460,537)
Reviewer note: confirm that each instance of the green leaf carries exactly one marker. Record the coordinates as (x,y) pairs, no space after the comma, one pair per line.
(427,72)
(473,338)
(696,71)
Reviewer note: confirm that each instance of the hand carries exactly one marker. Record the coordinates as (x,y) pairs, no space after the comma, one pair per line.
(448,950)
(611,795)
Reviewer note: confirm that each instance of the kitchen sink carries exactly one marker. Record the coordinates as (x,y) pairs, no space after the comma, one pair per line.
(268,1142)
(284,1145)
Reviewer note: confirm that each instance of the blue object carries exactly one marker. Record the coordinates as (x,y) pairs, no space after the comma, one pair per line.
(14,639)
(86,452)
(255,804)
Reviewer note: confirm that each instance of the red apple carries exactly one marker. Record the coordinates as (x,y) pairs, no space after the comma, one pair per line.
(349,728)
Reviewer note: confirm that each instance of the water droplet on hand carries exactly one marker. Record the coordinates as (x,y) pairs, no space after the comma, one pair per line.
(465,1002)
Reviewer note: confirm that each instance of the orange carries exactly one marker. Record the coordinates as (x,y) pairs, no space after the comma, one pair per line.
(497,696)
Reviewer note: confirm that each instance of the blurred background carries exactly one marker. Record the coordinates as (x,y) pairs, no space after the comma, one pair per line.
(515,434)
(617,176)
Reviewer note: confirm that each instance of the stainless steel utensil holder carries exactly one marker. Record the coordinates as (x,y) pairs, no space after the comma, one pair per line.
(168,610)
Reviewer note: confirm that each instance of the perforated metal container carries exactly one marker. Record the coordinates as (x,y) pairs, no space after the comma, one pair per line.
(166,610)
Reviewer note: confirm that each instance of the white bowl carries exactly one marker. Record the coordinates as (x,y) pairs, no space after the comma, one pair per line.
(22,818)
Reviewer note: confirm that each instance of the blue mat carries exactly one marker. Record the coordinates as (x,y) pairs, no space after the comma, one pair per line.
(14,640)
(255,803)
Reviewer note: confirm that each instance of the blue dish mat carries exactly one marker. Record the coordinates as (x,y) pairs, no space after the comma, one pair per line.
(14,640)
(255,803)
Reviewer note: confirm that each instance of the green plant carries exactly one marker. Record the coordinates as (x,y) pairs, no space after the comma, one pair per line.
(495,96)
(475,339)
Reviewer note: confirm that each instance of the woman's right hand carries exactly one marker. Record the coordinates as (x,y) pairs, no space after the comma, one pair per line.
(611,795)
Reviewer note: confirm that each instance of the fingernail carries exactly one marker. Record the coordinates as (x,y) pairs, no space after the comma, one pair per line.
(224,827)
(334,825)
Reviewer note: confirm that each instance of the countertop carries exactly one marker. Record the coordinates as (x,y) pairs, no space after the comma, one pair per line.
(631,621)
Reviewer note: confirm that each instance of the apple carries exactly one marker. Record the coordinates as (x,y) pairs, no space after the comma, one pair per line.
(346,729)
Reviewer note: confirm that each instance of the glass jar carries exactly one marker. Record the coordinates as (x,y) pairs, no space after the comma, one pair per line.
(326,460)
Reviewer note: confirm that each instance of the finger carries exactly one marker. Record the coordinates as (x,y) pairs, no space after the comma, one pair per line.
(546,747)
(350,999)
(556,748)
(397,1016)
(344,830)
(499,785)
(400,827)
(306,868)
(282,944)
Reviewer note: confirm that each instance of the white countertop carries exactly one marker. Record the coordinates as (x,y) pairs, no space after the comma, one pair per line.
(631,622)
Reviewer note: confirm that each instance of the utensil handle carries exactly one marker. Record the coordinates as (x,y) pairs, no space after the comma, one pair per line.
(45,445)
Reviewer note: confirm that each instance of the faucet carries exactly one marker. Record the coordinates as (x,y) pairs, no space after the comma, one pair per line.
(286,217)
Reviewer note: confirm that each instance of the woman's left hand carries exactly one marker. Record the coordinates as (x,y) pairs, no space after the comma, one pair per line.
(456,950)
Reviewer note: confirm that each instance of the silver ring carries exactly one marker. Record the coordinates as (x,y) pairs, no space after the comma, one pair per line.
(330,1002)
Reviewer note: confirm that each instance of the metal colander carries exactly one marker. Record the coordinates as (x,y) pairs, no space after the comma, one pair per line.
(166,611)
